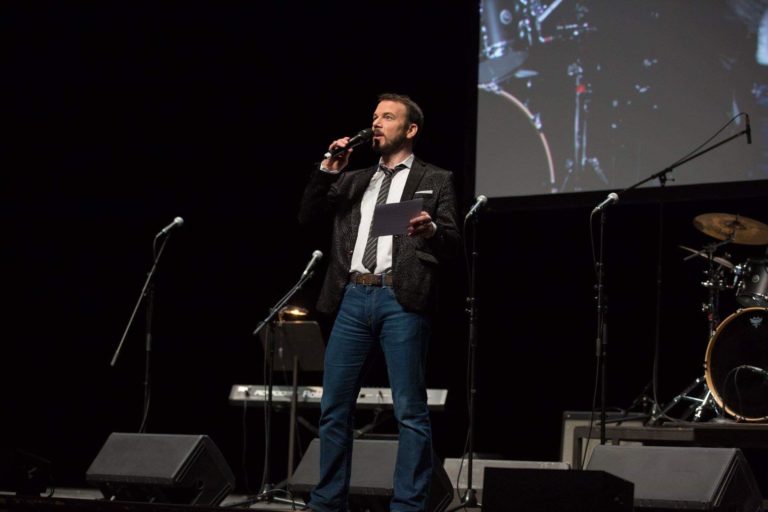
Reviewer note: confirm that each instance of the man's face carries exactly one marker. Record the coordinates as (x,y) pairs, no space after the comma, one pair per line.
(391,130)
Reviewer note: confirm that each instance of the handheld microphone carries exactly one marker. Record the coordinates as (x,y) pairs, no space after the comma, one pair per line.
(479,202)
(177,222)
(613,197)
(316,256)
(748,129)
(361,137)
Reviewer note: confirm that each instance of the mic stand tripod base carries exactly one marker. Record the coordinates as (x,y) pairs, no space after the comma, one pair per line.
(266,495)
(468,501)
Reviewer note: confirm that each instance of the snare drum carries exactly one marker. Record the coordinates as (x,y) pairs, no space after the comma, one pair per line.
(737,364)
(752,287)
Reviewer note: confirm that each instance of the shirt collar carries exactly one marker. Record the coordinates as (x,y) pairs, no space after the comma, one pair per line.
(405,164)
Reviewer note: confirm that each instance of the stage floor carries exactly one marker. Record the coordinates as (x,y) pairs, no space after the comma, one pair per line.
(90,500)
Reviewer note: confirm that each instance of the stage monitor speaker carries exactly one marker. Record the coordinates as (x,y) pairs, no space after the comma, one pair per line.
(677,477)
(544,490)
(457,469)
(161,468)
(573,419)
(373,466)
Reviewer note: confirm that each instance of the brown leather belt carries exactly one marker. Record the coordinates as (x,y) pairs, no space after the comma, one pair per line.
(371,279)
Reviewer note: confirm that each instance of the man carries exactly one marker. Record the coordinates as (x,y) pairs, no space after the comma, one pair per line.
(383,290)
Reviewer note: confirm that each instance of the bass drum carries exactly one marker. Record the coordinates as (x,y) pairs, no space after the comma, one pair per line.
(513,155)
(737,364)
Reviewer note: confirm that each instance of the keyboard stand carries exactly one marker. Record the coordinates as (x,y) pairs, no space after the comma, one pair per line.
(298,344)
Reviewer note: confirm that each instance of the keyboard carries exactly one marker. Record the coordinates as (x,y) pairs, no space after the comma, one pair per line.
(309,396)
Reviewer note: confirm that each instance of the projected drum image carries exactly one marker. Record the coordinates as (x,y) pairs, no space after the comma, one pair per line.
(618,92)
(737,364)
(512,143)
(505,34)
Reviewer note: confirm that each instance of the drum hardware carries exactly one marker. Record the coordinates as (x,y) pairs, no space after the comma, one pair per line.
(505,37)
(699,399)
(701,403)
(724,262)
(510,28)
(581,161)
(716,279)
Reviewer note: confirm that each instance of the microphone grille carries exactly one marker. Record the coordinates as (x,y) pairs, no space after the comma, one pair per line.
(482,199)
(178,221)
(317,254)
(365,134)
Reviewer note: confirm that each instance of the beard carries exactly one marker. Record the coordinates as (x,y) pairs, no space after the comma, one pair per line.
(390,146)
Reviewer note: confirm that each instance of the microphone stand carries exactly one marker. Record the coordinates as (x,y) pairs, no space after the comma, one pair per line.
(268,489)
(148,291)
(602,328)
(601,344)
(470,497)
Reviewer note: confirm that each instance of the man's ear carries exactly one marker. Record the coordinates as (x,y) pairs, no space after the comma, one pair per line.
(413,129)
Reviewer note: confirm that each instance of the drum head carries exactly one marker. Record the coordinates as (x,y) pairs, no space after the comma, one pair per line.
(512,151)
(737,364)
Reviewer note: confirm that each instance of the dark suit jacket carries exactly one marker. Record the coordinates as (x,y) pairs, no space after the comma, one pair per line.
(415,260)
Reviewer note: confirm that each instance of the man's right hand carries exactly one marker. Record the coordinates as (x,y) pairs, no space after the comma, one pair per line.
(339,162)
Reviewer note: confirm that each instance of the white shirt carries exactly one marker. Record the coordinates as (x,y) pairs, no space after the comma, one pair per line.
(367,205)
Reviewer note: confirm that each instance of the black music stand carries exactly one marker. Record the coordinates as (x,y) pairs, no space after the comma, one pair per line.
(296,345)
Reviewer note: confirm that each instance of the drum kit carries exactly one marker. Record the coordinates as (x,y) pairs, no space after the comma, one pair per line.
(735,383)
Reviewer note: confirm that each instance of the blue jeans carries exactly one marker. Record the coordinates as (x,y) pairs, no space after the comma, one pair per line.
(371,315)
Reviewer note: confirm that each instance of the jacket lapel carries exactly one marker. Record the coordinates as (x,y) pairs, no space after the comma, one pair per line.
(414,178)
(362,179)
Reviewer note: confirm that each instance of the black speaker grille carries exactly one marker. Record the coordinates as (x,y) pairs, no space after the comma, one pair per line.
(163,468)
(677,477)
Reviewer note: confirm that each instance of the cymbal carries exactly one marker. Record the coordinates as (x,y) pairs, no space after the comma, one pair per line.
(717,259)
(740,230)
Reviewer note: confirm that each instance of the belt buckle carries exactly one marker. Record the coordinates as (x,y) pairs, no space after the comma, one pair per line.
(371,279)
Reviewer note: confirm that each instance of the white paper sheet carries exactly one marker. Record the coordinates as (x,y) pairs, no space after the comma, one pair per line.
(393,218)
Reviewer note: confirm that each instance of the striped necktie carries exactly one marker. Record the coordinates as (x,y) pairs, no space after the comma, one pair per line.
(369,256)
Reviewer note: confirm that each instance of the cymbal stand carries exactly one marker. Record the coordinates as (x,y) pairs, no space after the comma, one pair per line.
(702,401)
(581,160)
(714,284)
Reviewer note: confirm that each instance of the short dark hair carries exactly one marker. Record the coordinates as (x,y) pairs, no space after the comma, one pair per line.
(412,109)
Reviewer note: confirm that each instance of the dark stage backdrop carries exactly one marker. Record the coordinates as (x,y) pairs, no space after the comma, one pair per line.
(124,115)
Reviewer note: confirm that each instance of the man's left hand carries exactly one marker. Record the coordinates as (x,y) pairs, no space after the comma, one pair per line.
(422,225)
